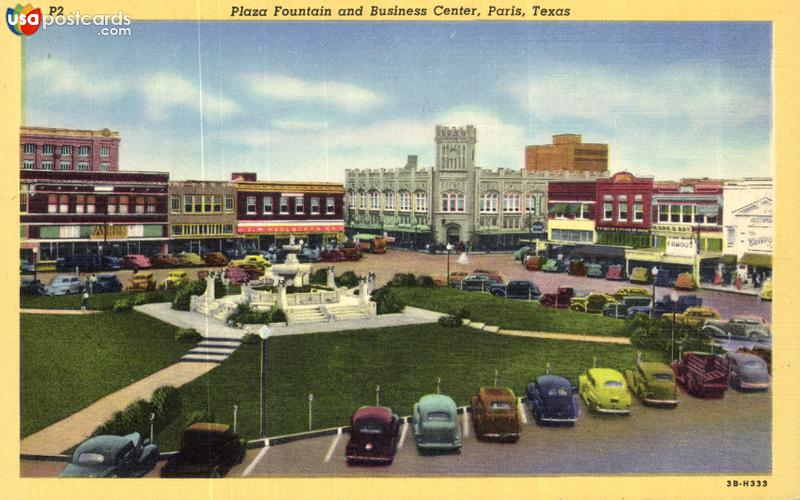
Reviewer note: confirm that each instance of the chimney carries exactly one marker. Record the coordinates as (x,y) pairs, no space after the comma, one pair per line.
(411,162)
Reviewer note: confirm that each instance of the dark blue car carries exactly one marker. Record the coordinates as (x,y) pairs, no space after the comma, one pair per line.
(665,305)
(107,283)
(552,401)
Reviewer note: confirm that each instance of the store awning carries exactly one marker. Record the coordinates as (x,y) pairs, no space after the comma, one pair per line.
(598,251)
(728,260)
(756,260)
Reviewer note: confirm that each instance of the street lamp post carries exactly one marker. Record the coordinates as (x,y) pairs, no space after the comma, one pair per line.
(449,247)
(674,297)
(264,334)
(35,261)
(653,301)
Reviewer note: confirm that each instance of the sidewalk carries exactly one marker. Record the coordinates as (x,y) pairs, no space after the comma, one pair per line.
(205,326)
(58,311)
(731,289)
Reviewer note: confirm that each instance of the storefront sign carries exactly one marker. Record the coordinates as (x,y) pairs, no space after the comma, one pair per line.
(681,247)
(111,233)
(290,228)
(673,228)
(762,243)
(537,227)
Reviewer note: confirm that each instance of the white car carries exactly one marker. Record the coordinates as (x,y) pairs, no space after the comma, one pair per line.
(64,284)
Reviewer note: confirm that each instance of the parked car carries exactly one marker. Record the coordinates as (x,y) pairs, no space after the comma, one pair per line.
(490,273)
(473,282)
(665,278)
(554,266)
(107,283)
(215,259)
(632,291)
(63,284)
(141,282)
(551,400)
(26,267)
(560,299)
(516,289)
(762,352)
(48,266)
(748,372)
(766,291)
(495,415)
(253,259)
(352,253)
(702,374)
(370,243)
(604,390)
(594,271)
(615,272)
(592,303)
(189,259)
(163,260)
(577,268)
(112,456)
(374,434)
(254,271)
(31,287)
(206,450)
(685,281)
(111,263)
(435,423)
(694,316)
(738,327)
(136,261)
(534,263)
(310,254)
(521,253)
(332,255)
(237,275)
(622,308)
(278,255)
(666,305)
(653,383)
(175,279)
(640,275)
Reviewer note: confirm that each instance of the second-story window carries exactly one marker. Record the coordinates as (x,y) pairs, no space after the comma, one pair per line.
(298,205)
(65,165)
(63,203)
(47,165)
(52,203)
(389,200)
(104,167)
(405,201)
(315,205)
(638,209)
(511,202)
(623,208)
(330,207)
(217,208)
(111,207)
(123,204)
(228,204)
(374,200)
(140,204)
(187,204)
(27,164)
(251,204)
(267,204)
(422,201)
(284,204)
(83,167)
(175,204)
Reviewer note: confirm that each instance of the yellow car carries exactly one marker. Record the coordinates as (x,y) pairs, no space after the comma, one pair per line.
(252,259)
(592,303)
(632,290)
(694,316)
(766,291)
(175,279)
(141,282)
(189,259)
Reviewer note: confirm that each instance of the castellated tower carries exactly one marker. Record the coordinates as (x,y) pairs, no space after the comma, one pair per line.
(453,197)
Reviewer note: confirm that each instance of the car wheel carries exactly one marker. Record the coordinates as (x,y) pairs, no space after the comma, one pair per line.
(753,336)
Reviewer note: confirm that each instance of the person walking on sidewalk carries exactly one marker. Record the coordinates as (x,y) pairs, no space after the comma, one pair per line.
(84,301)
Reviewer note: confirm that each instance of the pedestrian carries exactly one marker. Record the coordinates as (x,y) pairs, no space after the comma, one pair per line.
(84,302)
(739,282)
(92,283)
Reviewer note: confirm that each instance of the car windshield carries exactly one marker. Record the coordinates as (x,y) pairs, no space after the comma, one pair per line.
(370,428)
(753,366)
(558,391)
(90,458)
(500,406)
(612,383)
(662,376)
(441,416)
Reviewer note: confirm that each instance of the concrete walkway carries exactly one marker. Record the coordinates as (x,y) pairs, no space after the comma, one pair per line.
(207,327)
(76,428)
(577,337)
(58,311)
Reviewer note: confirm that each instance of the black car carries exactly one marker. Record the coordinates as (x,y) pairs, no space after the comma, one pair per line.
(516,289)
(112,456)
(31,287)
(665,278)
(84,262)
(206,450)
(552,401)
(107,283)
(111,263)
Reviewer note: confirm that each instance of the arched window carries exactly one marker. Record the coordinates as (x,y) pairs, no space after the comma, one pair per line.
(374,200)
(422,201)
(405,201)
(389,200)
(452,201)
(488,203)
(351,199)
(511,202)
(362,200)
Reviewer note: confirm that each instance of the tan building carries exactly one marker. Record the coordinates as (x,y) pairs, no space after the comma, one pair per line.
(567,153)
(202,216)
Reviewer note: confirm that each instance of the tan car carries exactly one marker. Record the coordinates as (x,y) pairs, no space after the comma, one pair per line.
(695,316)
(141,282)
(495,415)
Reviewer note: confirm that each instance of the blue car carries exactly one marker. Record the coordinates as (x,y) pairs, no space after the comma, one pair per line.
(665,305)
(112,456)
(107,283)
(665,278)
(552,401)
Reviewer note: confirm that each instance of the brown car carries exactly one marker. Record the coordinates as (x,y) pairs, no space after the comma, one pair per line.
(141,282)
(215,259)
(163,260)
(207,450)
(495,415)
(534,263)
(253,271)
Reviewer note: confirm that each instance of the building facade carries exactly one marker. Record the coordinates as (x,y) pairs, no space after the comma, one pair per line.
(748,228)
(455,201)
(202,216)
(104,213)
(624,206)
(269,212)
(567,153)
(571,209)
(60,149)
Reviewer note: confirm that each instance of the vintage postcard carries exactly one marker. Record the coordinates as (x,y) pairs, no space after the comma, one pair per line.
(380,250)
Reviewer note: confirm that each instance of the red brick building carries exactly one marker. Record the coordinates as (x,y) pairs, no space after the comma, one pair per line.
(624,210)
(61,149)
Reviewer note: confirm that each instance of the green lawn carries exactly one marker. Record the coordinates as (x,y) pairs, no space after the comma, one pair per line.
(98,301)
(510,313)
(68,362)
(342,369)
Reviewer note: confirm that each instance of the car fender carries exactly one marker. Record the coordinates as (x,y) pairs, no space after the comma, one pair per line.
(714,331)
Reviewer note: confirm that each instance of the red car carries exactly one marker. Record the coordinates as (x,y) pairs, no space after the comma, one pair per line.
(374,434)
(615,273)
(136,261)
(332,255)
(163,260)
(560,299)
(702,374)
(534,263)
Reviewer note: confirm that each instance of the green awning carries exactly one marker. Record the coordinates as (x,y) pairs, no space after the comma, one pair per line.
(756,260)
(364,237)
(728,260)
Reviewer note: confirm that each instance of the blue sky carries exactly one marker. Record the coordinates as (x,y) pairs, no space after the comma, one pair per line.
(304,101)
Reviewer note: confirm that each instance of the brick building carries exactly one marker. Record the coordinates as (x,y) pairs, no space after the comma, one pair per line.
(61,149)
(567,153)
(202,216)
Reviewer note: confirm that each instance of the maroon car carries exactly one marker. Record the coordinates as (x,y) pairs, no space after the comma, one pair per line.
(163,260)
(702,374)
(560,299)
(237,276)
(374,434)
(332,255)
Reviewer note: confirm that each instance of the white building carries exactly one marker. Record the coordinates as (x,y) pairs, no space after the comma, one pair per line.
(748,225)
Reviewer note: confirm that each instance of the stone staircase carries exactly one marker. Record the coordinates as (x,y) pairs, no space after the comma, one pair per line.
(346,311)
(305,315)
(219,309)
(212,350)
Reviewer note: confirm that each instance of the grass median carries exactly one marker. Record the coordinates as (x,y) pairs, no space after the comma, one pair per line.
(510,313)
(342,370)
(69,362)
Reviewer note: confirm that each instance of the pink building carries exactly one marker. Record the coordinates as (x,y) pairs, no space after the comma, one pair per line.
(42,148)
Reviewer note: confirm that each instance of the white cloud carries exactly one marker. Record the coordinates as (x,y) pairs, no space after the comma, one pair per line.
(165,91)
(61,77)
(295,124)
(348,97)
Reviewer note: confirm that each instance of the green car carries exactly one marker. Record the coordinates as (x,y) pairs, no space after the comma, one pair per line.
(653,383)
(604,390)
(595,271)
(519,255)
(187,259)
(435,423)
(553,266)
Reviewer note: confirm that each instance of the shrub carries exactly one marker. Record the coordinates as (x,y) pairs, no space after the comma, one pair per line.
(450,321)
(320,276)
(187,335)
(347,279)
(122,305)
(204,415)
(426,281)
(183,295)
(166,404)
(140,298)
(656,334)
(245,315)
(134,418)
(182,299)
(251,338)
(460,313)
(387,301)
(403,279)
(278,316)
